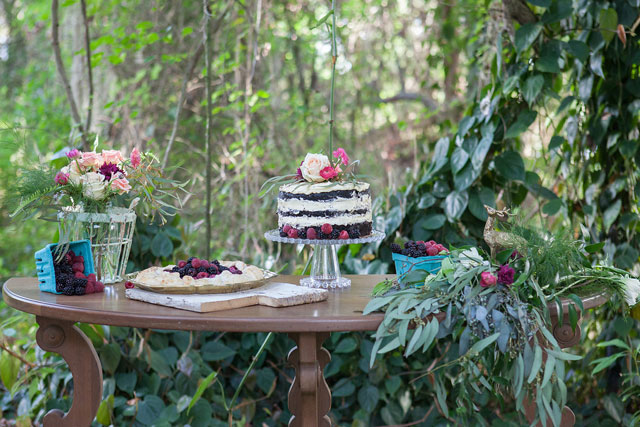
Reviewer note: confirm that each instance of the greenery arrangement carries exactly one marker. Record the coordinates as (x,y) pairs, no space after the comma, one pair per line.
(496,311)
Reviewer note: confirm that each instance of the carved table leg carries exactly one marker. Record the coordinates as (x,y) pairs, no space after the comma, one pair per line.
(566,338)
(309,395)
(76,349)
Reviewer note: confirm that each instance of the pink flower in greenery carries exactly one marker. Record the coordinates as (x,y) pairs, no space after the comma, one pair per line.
(487,279)
(61,178)
(135,158)
(72,154)
(342,155)
(328,173)
(506,275)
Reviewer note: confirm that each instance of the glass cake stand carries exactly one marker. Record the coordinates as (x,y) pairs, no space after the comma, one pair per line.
(325,269)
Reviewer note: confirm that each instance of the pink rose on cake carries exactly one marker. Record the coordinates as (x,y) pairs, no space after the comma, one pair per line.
(312,165)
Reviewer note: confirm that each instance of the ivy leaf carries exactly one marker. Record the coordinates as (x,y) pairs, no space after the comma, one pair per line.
(465,178)
(149,409)
(510,165)
(525,119)
(440,154)
(459,158)
(610,214)
(595,63)
(426,201)
(433,221)
(478,198)
(556,141)
(608,23)
(594,247)
(550,55)
(532,87)
(552,207)
(161,245)
(578,49)
(455,204)
(368,398)
(525,35)
(480,152)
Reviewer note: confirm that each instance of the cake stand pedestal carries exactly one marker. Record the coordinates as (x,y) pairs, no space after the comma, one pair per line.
(325,268)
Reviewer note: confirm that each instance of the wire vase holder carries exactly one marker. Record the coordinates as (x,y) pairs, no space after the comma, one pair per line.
(325,268)
(110,234)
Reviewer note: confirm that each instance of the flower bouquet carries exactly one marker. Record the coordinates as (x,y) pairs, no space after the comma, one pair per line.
(498,314)
(94,196)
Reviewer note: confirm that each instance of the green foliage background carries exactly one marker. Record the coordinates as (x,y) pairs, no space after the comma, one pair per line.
(448,106)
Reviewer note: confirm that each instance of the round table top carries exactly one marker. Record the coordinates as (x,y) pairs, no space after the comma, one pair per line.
(342,311)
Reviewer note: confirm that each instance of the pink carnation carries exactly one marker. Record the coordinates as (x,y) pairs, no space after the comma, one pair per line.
(488,279)
(135,158)
(72,154)
(61,178)
(342,155)
(121,185)
(328,173)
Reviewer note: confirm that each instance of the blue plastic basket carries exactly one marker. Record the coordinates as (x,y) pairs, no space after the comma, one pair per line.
(405,264)
(44,263)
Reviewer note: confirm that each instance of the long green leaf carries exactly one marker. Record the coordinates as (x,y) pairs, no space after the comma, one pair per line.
(201,388)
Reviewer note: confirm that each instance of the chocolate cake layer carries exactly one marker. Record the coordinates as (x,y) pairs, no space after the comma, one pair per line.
(324,196)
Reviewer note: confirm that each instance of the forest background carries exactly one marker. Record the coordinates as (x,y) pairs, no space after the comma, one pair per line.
(448,105)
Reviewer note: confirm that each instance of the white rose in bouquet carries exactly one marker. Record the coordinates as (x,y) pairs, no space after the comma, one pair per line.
(94,186)
(631,290)
(312,165)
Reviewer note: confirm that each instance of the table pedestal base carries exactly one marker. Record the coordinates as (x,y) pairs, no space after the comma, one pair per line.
(76,349)
(309,395)
(566,337)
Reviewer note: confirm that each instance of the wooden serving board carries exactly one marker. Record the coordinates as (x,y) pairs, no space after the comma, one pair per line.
(273,294)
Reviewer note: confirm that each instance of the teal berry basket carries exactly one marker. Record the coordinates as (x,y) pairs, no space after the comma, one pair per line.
(405,264)
(44,263)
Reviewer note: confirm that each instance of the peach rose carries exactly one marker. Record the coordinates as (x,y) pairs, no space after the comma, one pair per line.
(91,159)
(312,165)
(120,185)
(112,156)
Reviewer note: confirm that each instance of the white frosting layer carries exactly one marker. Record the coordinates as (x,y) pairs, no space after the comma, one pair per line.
(340,204)
(322,187)
(304,221)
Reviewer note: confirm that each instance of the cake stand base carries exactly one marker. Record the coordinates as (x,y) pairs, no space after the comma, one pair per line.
(325,268)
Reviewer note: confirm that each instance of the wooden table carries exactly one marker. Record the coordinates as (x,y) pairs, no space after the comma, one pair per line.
(308,325)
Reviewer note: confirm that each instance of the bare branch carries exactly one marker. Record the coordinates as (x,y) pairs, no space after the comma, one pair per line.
(55,23)
(183,91)
(409,96)
(87,48)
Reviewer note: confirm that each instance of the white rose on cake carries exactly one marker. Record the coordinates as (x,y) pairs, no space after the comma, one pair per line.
(94,186)
(312,165)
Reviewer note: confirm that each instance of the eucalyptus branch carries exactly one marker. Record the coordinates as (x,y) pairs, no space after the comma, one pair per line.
(55,23)
(87,48)
(334,57)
